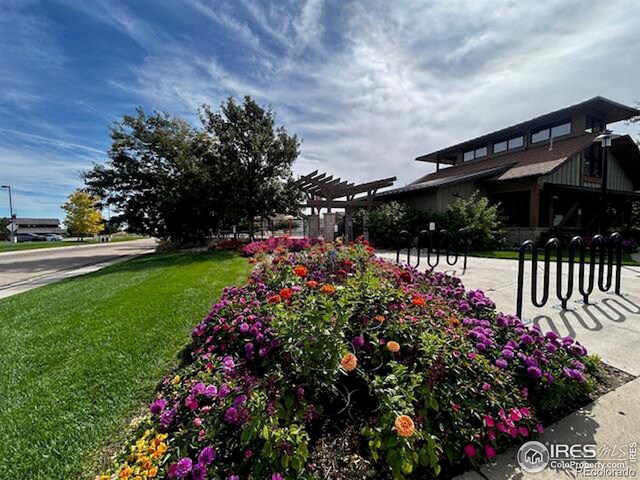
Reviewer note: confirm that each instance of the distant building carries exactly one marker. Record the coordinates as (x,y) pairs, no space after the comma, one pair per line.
(545,172)
(38,226)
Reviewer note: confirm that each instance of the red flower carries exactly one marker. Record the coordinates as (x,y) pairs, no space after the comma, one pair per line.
(274,299)
(405,277)
(418,301)
(300,270)
(286,293)
(312,284)
(341,273)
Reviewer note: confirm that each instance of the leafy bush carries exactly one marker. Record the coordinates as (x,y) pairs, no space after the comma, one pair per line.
(479,217)
(387,220)
(427,372)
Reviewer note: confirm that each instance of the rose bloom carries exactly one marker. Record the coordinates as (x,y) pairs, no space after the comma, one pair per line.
(404,426)
(349,362)
(312,284)
(328,289)
(393,346)
(274,299)
(286,293)
(300,270)
(418,301)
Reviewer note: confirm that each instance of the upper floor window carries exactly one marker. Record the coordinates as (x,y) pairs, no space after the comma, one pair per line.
(594,125)
(515,142)
(473,154)
(551,132)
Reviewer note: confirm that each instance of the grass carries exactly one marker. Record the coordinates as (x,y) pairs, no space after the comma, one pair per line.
(81,357)
(513,255)
(12,247)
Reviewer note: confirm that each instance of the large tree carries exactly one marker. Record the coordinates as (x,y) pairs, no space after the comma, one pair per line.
(256,158)
(161,178)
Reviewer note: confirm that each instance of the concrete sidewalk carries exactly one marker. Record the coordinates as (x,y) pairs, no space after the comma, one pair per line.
(609,327)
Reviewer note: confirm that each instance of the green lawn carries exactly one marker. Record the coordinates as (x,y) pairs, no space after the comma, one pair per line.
(11,247)
(513,255)
(79,358)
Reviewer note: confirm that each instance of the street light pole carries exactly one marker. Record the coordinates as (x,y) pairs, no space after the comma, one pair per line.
(8,187)
(605,139)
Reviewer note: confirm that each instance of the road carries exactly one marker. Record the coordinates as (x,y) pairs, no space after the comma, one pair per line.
(27,269)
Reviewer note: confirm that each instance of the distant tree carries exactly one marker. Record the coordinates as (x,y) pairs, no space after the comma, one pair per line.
(83,216)
(636,120)
(255,158)
(162,178)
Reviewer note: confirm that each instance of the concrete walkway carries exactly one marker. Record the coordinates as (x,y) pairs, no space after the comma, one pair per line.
(610,327)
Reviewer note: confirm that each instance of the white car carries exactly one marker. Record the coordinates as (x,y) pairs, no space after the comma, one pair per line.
(53,237)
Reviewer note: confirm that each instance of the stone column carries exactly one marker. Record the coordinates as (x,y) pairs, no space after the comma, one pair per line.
(314,226)
(329,227)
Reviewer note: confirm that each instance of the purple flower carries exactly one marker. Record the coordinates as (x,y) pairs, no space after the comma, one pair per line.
(263,352)
(199,472)
(224,390)
(248,348)
(239,401)
(244,328)
(231,415)
(534,372)
(277,476)
(207,455)
(211,391)
(358,342)
(198,389)
(566,341)
(507,353)
(158,406)
(550,347)
(184,467)
(233,477)
(501,363)
(526,339)
(166,418)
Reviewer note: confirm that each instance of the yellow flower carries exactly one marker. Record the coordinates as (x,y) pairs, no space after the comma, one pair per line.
(153,471)
(176,380)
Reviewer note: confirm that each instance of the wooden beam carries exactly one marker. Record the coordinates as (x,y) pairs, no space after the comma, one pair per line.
(339,203)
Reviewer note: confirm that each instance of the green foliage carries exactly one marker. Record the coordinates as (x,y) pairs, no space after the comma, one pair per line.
(479,217)
(387,220)
(255,160)
(166,179)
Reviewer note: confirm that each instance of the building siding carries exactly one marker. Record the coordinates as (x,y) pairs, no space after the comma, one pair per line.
(570,173)
(439,200)
(617,178)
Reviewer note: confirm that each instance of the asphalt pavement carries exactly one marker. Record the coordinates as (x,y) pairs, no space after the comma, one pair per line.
(26,269)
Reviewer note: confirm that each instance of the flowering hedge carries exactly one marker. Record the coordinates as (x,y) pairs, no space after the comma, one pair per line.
(430,373)
(278,244)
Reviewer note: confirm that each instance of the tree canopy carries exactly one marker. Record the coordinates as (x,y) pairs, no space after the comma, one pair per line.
(170,180)
(83,216)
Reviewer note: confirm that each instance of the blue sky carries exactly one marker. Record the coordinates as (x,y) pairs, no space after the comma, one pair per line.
(368,85)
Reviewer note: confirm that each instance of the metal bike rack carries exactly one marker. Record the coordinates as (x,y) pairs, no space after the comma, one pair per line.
(433,242)
(601,249)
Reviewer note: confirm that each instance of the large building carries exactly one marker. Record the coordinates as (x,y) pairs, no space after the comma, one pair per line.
(39,226)
(546,172)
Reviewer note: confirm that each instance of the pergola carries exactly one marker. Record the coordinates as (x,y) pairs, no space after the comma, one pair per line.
(324,191)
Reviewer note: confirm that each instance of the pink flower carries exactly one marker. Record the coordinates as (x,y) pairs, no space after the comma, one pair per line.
(470,450)
(515,415)
(525,412)
(489,421)
(248,454)
(472,356)
(456,407)
(522,430)
(491,434)
(197,422)
(486,386)
(489,451)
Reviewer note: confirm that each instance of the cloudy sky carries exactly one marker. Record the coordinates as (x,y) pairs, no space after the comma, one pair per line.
(368,85)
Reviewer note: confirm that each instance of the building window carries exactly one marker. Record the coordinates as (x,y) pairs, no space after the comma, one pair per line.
(499,147)
(516,142)
(559,130)
(593,161)
(594,125)
(477,153)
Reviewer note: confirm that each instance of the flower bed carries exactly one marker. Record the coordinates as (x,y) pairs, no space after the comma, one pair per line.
(278,245)
(332,339)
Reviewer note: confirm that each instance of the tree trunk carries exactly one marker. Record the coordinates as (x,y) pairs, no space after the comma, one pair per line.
(251,228)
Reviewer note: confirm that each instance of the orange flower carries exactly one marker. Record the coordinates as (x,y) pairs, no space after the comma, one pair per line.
(454,322)
(312,284)
(300,270)
(153,471)
(379,318)
(328,289)
(125,472)
(393,346)
(349,362)
(418,301)
(286,293)
(405,426)
(252,261)
(274,299)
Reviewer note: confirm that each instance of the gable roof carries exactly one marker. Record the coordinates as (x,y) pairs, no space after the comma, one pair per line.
(529,162)
(604,108)
(36,221)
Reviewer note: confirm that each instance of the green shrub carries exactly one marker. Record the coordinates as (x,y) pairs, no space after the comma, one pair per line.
(386,221)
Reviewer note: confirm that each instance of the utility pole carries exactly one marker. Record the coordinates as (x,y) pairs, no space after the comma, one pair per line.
(605,139)
(8,187)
